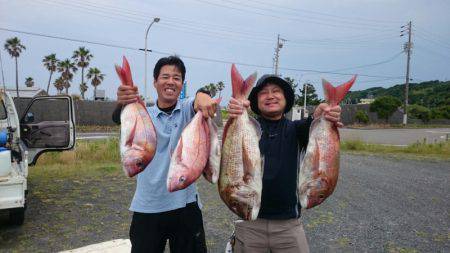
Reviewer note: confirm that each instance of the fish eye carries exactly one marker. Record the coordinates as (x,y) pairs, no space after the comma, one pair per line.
(182,179)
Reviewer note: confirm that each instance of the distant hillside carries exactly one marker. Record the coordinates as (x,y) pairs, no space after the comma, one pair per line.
(430,94)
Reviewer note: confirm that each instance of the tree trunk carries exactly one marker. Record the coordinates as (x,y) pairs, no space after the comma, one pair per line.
(17,79)
(82,82)
(95,92)
(49,81)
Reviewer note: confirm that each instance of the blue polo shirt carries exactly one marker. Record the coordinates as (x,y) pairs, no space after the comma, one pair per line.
(151,194)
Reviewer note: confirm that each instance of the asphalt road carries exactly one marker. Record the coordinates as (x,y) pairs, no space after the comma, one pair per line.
(380,205)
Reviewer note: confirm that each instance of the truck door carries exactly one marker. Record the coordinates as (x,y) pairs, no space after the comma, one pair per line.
(48,124)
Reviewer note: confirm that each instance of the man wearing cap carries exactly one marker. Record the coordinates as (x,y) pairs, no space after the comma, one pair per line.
(278,227)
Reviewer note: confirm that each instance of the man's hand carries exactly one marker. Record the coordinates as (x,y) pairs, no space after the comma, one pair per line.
(206,104)
(127,94)
(332,114)
(236,107)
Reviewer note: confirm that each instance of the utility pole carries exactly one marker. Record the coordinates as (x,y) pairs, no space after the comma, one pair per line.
(407,49)
(277,53)
(305,112)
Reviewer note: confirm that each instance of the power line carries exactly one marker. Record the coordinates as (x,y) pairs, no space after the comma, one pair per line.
(192,57)
(373,64)
(323,14)
(217,31)
(288,18)
(324,17)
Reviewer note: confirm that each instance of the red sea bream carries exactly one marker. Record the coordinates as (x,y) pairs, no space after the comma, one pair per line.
(319,168)
(241,169)
(137,133)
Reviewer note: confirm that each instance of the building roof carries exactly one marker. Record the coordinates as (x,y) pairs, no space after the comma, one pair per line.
(26,92)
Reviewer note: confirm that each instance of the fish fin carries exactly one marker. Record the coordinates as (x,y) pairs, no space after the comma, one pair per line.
(334,95)
(127,71)
(179,149)
(119,73)
(248,84)
(236,82)
(316,157)
(131,135)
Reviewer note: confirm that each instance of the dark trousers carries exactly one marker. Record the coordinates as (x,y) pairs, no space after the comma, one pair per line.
(182,227)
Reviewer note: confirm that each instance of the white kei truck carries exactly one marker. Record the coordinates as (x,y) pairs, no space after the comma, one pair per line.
(47,124)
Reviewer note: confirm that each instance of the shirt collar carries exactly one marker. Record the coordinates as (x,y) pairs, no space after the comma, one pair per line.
(158,112)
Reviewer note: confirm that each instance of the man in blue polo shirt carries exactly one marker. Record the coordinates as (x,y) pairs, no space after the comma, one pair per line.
(158,214)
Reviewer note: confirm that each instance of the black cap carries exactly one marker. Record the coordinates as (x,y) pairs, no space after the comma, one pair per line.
(263,80)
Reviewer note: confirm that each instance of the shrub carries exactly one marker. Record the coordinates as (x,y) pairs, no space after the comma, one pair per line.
(419,112)
(362,117)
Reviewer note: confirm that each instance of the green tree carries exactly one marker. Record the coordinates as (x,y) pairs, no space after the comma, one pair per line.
(220,85)
(291,82)
(311,95)
(96,77)
(50,62)
(385,106)
(67,69)
(82,56)
(14,49)
(59,84)
(29,82)
(419,112)
(211,88)
(362,117)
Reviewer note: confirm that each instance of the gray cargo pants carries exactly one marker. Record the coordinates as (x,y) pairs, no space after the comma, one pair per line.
(275,236)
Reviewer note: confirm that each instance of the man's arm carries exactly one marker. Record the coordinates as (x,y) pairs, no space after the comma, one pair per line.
(205,103)
(116,114)
(303,127)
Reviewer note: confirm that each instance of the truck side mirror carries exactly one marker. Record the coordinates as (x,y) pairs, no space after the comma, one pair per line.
(29,118)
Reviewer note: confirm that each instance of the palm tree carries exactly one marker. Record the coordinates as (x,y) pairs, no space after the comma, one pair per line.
(96,78)
(82,57)
(66,68)
(50,62)
(59,84)
(83,89)
(220,85)
(14,48)
(29,82)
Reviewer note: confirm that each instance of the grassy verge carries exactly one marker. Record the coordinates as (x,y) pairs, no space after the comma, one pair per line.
(419,150)
(88,129)
(395,126)
(88,158)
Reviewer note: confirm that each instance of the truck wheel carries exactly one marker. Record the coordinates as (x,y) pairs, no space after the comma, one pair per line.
(17,216)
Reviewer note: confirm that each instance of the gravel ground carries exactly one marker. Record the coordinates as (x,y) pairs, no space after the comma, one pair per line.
(381,204)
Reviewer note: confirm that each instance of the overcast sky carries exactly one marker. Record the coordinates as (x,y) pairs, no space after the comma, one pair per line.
(344,37)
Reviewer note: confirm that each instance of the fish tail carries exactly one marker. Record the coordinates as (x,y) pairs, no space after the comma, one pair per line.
(119,73)
(127,71)
(334,95)
(240,87)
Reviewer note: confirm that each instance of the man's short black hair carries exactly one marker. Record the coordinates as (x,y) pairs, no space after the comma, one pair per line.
(171,60)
